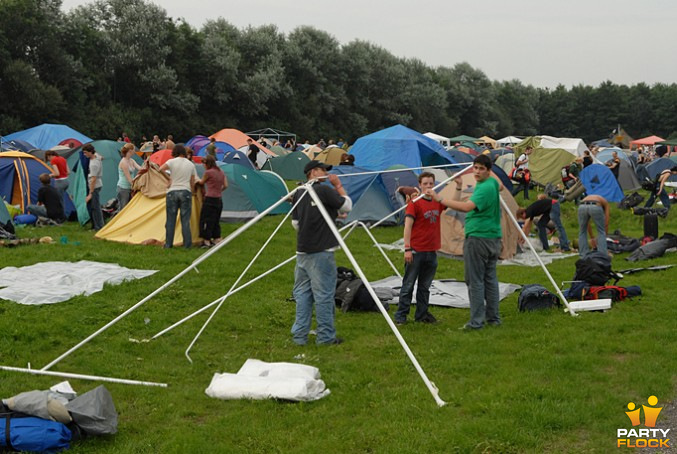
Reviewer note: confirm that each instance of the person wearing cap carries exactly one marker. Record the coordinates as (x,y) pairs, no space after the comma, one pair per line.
(315,273)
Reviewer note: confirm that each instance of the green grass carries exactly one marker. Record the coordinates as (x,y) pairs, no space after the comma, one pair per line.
(543,382)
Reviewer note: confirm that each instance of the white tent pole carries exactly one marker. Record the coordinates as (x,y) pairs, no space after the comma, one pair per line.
(216,301)
(83,377)
(375,172)
(202,258)
(330,223)
(237,281)
(378,246)
(531,246)
(439,185)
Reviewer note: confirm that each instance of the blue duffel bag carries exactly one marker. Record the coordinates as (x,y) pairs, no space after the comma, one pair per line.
(19,432)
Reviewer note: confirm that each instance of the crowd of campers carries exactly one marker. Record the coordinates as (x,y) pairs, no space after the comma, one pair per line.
(137,194)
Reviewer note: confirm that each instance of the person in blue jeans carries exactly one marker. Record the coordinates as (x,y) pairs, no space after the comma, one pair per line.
(547,209)
(593,208)
(94,183)
(421,242)
(179,195)
(659,190)
(315,273)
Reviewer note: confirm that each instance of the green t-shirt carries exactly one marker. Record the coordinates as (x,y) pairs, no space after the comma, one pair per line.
(485,220)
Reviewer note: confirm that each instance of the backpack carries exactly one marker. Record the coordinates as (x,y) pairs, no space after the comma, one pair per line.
(535,297)
(631,201)
(351,294)
(595,269)
(612,292)
(621,243)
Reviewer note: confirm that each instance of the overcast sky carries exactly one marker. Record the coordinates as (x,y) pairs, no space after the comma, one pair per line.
(543,43)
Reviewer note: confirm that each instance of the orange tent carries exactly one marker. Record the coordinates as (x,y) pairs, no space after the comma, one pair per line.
(238,139)
(651,140)
(161,156)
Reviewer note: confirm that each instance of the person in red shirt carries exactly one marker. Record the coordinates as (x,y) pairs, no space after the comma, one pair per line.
(214,183)
(421,242)
(59,171)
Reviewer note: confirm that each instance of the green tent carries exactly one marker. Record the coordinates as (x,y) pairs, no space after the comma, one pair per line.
(462,138)
(533,142)
(249,192)
(545,164)
(4,214)
(278,150)
(289,167)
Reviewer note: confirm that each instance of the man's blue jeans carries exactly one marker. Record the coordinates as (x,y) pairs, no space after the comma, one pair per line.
(555,215)
(479,258)
(663,196)
(586,213)
(95,212)
(314,284)
(178,200)
(422,268)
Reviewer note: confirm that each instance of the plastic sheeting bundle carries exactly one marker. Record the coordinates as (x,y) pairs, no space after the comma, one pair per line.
(260,380)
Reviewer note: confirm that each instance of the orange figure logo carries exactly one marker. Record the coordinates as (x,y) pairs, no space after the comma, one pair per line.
(650,413)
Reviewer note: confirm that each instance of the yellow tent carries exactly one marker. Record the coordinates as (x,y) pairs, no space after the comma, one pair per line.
(487,141)
(142,221)
(330,155)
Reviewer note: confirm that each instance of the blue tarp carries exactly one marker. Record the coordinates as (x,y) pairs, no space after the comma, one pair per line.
(48,135)
(398,145)
(598,180)
(15,144)
(652,169)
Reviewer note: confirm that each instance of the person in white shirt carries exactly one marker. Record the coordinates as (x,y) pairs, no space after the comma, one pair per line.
(179,195)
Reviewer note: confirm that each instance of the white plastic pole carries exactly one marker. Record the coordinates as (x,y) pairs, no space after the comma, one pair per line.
(330,222)
(83,377)
(374,172)
(237,281)
(531,246)
(200,259)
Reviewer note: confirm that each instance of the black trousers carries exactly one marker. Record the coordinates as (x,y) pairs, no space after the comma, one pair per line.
(210,217)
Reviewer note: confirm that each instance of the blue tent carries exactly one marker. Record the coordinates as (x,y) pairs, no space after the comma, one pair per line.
(651,170)
(48,135)
(459,156)
(237,157)
(221,149)
(602,143)
(605,155)
(398,145)
(598,180)
(15,144)
(374,196)
(19,178)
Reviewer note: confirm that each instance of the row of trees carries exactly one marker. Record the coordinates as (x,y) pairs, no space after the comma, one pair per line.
(124,65)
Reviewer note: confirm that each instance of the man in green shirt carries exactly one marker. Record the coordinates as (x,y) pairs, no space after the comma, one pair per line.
(482,244)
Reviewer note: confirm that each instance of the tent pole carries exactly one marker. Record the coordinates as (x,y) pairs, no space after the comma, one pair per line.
(83,377)
(330,223)
(237,281)
(200,259)
(531,246)
(439,185)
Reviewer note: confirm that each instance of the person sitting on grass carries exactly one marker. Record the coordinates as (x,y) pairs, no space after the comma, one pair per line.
(50,201)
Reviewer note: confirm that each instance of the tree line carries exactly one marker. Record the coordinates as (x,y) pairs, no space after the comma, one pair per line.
(125,65)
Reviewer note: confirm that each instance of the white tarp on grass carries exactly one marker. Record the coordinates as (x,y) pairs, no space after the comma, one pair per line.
(260,380)
(54,282)
(445,292)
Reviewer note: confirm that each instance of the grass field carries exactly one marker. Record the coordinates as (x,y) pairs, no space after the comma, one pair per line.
(542,382)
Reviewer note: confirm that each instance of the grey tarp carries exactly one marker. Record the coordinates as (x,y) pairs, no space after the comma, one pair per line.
(94,412)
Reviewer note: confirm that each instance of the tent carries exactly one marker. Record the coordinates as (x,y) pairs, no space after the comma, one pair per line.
(249,192)
(545,164)
(197,142)
(47,135)
(398,145)
(237,157)
(460,156)
(330,155)
(143,219)
(64,152)
(486,140)
(110,152)
(597,179)
(15,145)
(508,141)
(650,140)
(19,178)
(289,167)
(238,139)
(444,141)
(652,169)
(161,156)
(221,149)
(279,150)
(574,146)
(374,196)
(453,222)
(4,214)
(506,162)
(462,138)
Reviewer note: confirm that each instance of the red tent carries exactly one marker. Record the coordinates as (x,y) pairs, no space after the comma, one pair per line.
(651,140)
(161,156)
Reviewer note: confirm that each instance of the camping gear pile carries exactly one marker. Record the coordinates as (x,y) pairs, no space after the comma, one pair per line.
(50,420)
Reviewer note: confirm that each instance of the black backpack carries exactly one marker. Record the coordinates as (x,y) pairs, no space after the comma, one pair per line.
(535,297)
(595,269)
(631,201)
(621,243)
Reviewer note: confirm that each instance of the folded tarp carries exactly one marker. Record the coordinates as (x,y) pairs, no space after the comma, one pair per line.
(54,282)
(260,380)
